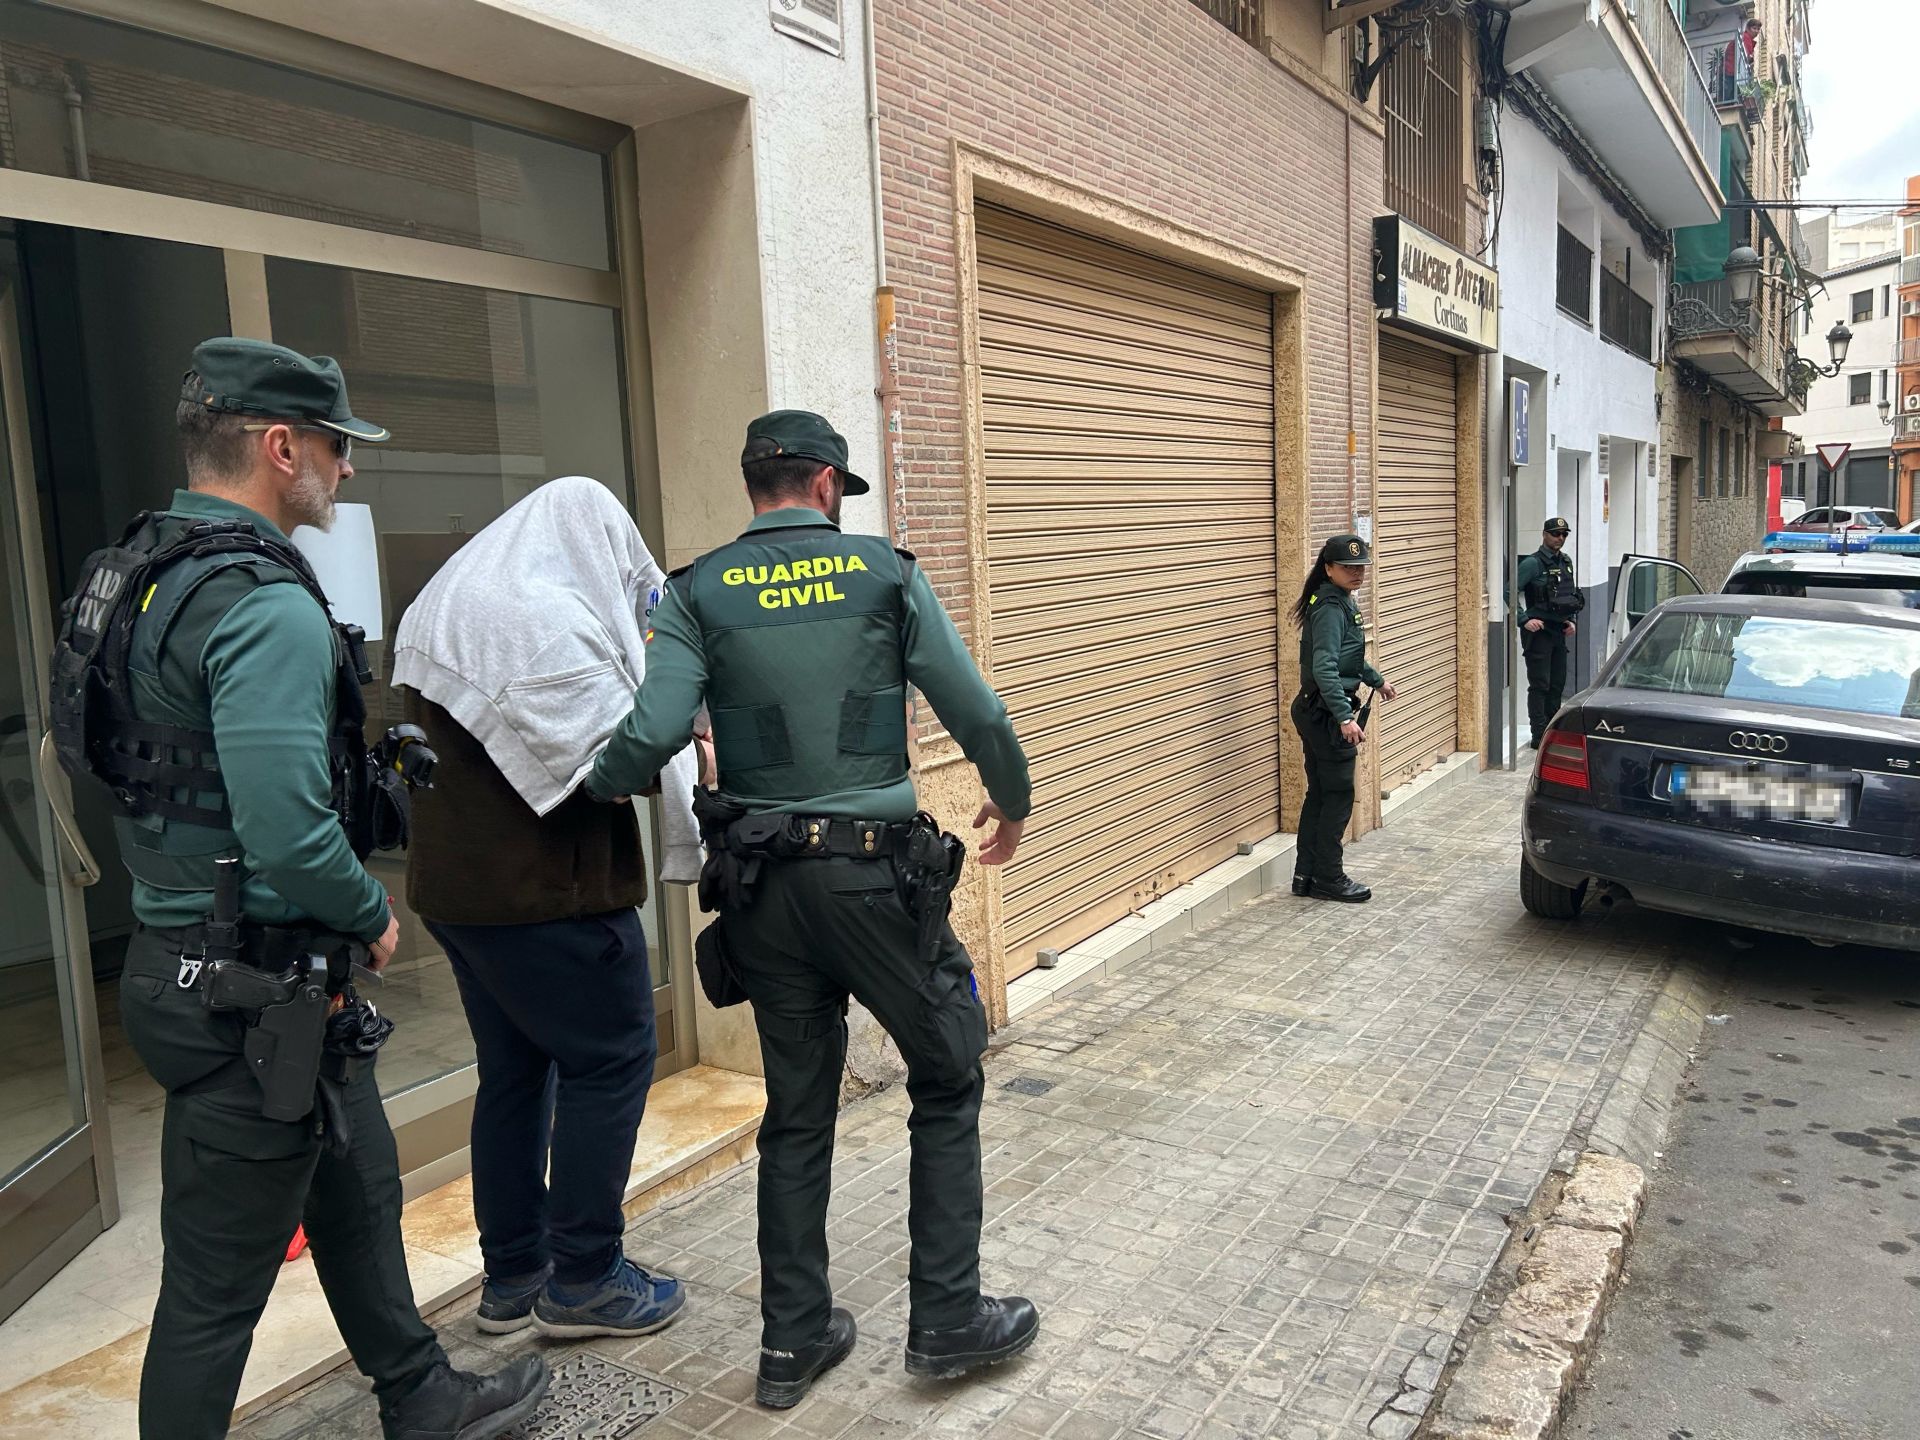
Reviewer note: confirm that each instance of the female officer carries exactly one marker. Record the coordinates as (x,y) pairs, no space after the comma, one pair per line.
(1333,663)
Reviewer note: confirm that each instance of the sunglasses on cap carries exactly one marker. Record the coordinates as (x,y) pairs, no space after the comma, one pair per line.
(342,442)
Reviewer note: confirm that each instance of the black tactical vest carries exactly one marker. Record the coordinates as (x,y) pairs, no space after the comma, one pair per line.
(170,800)
(806,680)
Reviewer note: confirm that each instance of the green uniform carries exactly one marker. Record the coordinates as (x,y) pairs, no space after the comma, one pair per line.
(801,642)
(1333,665)
(241,650)
(1544,575)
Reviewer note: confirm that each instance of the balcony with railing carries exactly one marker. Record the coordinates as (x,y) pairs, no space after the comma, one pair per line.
(1626,317)
(1624,74)
(1906,352)
(1745,348)
(1730,78)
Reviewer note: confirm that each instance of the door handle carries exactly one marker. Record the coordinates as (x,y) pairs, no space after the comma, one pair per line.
(60,806)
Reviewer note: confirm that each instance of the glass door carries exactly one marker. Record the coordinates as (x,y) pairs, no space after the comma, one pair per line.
(56,1186)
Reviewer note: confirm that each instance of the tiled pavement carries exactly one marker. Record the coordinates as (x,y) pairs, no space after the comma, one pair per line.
(1254,1183)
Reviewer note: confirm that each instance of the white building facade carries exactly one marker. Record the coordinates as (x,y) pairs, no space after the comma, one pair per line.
(1855,408)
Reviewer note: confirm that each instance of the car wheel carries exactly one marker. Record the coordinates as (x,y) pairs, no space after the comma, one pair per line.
(1544,898)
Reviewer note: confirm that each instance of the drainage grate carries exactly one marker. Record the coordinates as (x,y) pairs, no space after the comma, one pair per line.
(1028,1085)
(593,1398)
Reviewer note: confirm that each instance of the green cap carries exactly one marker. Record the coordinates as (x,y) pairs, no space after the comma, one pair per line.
(1557,526)
(1345,550)
(801,433)
(254,377)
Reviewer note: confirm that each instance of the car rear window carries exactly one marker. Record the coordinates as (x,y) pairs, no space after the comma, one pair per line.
(1862,589)
(1832,665)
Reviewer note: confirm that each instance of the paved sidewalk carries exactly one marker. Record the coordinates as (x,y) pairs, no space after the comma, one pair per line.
(1254,1183)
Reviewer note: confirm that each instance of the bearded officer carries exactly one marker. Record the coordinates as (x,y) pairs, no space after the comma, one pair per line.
(228,758)
(801,640)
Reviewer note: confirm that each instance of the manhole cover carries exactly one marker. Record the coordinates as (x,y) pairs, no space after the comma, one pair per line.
(1028,1085)
(592,1398)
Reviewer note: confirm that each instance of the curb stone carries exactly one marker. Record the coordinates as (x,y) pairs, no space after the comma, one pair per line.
(1632,1120)
(1520,1369)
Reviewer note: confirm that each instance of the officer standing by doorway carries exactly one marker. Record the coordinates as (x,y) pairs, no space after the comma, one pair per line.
(1328,714)
(801,641)
(1549,599)
(235,757)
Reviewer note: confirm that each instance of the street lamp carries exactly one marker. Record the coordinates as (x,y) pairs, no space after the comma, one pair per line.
(1838,339)
(1743,275)
(1885,407)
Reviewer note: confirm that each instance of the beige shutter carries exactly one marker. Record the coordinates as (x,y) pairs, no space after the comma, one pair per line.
(1416,559)
(1128,413)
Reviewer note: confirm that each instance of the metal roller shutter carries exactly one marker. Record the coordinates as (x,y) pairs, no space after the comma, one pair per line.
(1128,414)
(1417,559)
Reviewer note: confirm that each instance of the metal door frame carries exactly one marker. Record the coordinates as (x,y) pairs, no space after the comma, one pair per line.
(72,869)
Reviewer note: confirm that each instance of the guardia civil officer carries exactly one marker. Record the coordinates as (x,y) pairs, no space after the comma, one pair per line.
(235,739)
(1326,712)
(801,642)
(1549,598)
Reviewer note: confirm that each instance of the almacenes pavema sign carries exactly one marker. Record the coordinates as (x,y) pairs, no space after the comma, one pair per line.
(1427,286)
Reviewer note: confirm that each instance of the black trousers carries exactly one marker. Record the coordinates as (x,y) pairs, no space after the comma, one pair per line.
(1545,651)
(1319,842)
(563,1030)
(234,1185)
(816,932)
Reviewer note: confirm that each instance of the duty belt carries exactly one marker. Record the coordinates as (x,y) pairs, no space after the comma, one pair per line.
(826,837)
(272,948)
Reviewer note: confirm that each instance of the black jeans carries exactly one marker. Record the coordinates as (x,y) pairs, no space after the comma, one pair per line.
(233,1186)
(563,1029)
(1319,840)
(816,932)
(1545,651)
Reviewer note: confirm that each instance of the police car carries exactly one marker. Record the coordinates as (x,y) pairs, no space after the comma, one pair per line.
(1872,567)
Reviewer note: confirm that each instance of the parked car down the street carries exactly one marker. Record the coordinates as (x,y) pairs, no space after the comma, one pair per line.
(1749,759)
(1843,517)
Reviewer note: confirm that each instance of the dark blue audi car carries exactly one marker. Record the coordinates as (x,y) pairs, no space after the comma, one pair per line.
(1742,758)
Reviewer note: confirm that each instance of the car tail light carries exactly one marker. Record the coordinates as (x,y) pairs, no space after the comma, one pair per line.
(1563,759)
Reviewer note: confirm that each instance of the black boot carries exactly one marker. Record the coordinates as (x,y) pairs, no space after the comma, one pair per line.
(999,1330)
(451,1404)
(1351,891)
(1302,884)
(787,1375)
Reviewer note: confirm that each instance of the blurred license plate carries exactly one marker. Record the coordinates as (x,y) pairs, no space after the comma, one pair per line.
(1747,793)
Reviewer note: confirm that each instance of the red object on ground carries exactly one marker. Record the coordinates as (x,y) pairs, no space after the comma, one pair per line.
(298,1244)
(1774,519)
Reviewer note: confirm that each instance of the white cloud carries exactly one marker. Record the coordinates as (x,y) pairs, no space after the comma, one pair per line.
(1860,87)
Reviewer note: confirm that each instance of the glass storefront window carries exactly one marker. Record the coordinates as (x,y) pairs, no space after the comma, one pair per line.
(89,100)
(488,395)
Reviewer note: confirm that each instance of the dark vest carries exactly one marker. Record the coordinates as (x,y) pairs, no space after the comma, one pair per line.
(151,595)
(1556,591)
(806,678)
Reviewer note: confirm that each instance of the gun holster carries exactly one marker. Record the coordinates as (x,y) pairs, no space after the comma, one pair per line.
(283,1046)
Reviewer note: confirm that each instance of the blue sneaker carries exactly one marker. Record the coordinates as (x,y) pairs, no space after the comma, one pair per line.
(629,1301)
(507,1305)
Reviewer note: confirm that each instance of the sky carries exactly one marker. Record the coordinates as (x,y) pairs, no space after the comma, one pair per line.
(1861,86)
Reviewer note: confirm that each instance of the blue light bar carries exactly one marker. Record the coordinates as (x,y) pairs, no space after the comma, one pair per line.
(1848,542)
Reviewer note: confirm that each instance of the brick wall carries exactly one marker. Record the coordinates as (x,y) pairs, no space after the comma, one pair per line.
(1153,104)
(1714,530)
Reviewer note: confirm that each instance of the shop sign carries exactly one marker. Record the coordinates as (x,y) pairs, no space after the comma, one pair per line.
(1428,286)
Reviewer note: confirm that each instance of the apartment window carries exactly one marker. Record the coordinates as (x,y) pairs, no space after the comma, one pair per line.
(1862,305)
(1625,318)
(1740,464)
(1240,16)
(1573,278)
(1860,388)
(1721,479)
(1703,466)
(1426,117)
(1886,301)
